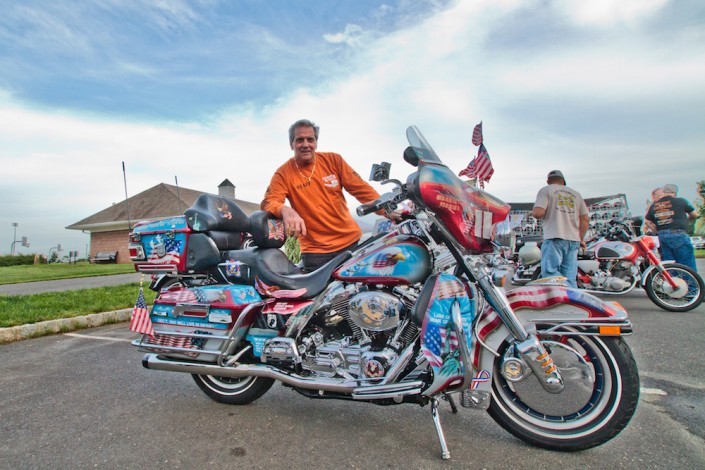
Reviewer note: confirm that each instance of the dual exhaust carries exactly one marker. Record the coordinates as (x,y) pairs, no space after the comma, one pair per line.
(323,384)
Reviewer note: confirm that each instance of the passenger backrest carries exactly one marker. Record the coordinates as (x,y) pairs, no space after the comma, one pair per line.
(216,213)
(267,231)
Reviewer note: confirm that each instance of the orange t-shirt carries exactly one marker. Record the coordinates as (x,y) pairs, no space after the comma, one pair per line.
(320,202)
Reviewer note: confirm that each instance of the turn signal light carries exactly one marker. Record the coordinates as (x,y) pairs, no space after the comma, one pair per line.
(609,330)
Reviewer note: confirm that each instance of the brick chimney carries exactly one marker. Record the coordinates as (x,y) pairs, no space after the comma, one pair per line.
(226,189)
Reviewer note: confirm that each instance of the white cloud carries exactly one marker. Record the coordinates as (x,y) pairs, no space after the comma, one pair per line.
(351,36)
(606,13)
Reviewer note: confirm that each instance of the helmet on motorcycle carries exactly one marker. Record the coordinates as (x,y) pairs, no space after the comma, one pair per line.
(530,253)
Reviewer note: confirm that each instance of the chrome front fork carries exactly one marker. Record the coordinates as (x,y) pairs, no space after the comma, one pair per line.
(528,346)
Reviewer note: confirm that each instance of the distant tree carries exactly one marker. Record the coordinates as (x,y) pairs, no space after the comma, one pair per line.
(699,204)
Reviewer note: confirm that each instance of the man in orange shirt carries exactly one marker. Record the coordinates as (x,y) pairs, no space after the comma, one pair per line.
(313,182)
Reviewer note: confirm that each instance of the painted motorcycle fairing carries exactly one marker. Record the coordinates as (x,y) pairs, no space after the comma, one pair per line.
(470,214)
(390,261)
(439,340)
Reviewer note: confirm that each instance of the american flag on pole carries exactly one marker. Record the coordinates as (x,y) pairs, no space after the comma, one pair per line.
(477,134)
(480,167)
(140,321)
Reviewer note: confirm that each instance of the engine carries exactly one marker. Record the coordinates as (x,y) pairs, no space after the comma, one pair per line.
(613,276)
(357,334)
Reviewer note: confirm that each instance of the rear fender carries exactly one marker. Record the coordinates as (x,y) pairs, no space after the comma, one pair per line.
(562,308)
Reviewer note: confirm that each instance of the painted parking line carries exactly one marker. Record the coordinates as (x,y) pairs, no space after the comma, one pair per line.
(102,338)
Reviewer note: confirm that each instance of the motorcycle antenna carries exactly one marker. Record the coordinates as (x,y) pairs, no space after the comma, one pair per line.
(127,205)
(178,196)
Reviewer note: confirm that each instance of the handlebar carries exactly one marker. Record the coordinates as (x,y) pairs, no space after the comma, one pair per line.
(368,208)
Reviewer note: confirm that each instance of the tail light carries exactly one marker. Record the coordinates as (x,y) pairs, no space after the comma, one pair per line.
(136,251)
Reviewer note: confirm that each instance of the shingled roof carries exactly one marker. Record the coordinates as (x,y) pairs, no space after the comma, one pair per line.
(158,202)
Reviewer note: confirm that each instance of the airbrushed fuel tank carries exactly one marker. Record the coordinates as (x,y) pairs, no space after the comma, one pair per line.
(615,250)
(399,259)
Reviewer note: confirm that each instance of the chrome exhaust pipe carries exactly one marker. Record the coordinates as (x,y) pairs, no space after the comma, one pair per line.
(154,362)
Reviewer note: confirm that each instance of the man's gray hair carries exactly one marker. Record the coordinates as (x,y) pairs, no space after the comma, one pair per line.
(670,189)
(302,123)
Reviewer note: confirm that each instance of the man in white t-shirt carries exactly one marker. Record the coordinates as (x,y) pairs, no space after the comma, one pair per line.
(565,222)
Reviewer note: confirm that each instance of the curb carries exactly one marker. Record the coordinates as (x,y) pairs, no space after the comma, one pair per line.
(64,325)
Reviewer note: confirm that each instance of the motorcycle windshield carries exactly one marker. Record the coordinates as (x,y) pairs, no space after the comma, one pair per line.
(470,214)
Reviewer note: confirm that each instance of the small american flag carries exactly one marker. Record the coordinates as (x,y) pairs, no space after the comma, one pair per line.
(480,167)
(477,134)
(140,321)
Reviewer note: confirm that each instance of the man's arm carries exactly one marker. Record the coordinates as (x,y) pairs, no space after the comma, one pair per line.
(583,225)
(538,212)
(273,203)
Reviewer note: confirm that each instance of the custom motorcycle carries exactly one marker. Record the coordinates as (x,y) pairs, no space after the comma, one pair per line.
(621,260)
(394,322)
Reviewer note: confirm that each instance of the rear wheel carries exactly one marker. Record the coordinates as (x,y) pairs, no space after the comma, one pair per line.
(233,391)
(600,396)
(686,296)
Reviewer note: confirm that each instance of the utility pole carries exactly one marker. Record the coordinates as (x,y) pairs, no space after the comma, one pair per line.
(14,237)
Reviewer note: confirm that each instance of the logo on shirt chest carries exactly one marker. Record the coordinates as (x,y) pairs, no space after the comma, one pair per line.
(330,181)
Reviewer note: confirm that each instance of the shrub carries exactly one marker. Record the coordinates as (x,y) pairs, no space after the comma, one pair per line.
(18,260)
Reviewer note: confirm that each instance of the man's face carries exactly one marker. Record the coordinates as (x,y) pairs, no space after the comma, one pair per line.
(304,145)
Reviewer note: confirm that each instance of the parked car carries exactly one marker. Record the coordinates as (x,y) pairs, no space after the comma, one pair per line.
(698,242)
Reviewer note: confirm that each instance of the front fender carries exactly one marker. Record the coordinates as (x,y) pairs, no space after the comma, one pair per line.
(554,305)
(645,276)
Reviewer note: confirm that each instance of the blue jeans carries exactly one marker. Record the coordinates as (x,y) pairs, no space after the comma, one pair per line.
(560,258)
(677,246)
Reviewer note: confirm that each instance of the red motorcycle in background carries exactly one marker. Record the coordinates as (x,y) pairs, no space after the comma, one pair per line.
(396,321)
(623,259)
(620,260)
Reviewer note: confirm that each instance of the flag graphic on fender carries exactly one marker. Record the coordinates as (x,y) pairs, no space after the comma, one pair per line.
(140,321)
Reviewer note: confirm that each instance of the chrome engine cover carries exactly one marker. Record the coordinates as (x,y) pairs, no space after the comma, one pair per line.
(375,311)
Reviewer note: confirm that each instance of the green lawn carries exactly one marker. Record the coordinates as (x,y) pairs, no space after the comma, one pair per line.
(23,309)
(48,272)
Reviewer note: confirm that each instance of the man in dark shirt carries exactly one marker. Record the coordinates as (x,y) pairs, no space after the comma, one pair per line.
(670,214)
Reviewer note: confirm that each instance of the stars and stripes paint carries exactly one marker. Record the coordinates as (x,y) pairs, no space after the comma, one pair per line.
(176,341)
(439,335)
(480,167)
(140,321)
(538,297)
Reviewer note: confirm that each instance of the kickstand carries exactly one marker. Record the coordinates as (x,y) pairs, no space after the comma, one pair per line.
(451,401)
(445,454)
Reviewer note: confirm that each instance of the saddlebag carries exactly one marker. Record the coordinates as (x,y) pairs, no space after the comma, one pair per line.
(196,322)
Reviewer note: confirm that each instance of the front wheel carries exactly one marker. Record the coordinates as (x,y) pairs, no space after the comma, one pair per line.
(600,396)
(233,391)
(686,296)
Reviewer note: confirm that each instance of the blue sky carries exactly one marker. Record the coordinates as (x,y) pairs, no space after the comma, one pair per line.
(610,92)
